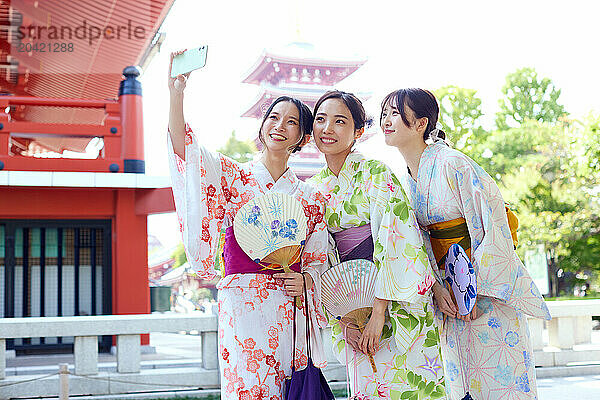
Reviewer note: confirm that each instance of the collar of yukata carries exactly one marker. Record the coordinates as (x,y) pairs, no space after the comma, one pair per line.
(262,174)
(354,156)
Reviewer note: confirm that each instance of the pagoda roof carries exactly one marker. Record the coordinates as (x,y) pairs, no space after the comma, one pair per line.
(299,62)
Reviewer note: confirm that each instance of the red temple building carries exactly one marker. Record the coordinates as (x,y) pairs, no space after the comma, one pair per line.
(74,198)
(298,70)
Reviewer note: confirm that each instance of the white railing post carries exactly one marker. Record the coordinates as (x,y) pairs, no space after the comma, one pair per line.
(583,329)
(2,358)
(63,372)
(561,332)
(128,354)
(86,355)
(210,350)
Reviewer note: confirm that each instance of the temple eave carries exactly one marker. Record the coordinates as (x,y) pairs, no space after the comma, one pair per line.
(259,72)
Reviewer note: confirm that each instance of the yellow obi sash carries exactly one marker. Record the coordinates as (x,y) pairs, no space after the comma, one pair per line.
(445,234)
(513,224)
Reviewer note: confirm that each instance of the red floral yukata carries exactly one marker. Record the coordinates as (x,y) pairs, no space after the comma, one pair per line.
(255,314)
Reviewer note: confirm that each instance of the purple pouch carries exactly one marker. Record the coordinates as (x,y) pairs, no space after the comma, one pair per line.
(461,277)
(308,383)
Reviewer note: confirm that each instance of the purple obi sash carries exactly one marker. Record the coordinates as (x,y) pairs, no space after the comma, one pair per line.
(355,243)
(237,262)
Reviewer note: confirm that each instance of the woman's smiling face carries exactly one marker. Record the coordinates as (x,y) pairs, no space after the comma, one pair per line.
(281,129)
(396,132)
(334,127)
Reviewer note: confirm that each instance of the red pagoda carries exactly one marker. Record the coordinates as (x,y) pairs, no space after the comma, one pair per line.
(298,70)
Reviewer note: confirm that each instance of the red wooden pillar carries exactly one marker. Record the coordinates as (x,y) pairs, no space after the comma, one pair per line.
(130,98)
(131,292)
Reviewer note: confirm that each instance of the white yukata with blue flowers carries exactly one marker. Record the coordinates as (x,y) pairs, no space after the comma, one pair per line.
(490,357)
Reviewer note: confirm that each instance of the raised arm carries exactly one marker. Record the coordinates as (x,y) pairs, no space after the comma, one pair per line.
(176,120)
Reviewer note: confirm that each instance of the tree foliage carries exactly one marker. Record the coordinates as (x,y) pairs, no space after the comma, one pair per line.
(543,172)
(179,256)
(239,150)
(592,142)
(547,167)
(460,116)
(527,96)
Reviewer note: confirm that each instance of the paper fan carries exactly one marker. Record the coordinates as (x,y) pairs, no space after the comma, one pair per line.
(272,229)
(461,277)
(348,292)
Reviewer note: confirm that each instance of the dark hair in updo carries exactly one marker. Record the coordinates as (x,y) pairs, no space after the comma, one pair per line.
(305,119)
(422,102)
(359,116)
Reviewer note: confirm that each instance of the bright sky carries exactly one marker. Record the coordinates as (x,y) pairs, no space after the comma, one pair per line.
(428,44)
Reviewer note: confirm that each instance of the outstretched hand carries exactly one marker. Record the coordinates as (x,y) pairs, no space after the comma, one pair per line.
(177,84)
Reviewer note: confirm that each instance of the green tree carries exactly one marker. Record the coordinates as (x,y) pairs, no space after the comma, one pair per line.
(239,150)
(179,256)
(592,144)
(527,96)
(506,151)
(542,169)
(460,116)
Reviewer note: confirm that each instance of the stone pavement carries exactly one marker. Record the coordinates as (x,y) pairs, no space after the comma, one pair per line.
(184,350)
(575,387)
(569,388)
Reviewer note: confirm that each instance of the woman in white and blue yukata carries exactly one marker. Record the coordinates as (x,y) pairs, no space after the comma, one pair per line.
(487,352)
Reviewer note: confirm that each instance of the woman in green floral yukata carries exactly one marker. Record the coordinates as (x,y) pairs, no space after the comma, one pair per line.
(369,217)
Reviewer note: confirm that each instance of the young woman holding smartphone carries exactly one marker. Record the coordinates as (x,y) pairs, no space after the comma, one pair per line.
(255,306)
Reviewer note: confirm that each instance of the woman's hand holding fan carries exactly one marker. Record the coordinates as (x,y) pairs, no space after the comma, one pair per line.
(444,300)
(369,341)
(293,282)
(462,284)
(352,335)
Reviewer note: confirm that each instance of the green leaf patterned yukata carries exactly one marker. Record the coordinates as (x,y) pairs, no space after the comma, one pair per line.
(409,364)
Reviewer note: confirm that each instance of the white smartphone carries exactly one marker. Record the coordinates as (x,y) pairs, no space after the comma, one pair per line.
(189,60)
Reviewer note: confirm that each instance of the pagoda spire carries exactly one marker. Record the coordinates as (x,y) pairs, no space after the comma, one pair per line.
(298,70)
(297,11)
